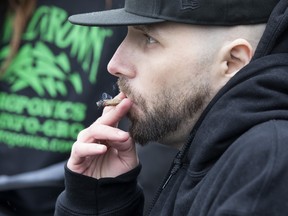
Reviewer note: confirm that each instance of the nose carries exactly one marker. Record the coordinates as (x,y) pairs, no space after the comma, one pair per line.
(121,62)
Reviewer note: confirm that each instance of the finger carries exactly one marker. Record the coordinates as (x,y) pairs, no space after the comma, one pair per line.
(126,152)
(115,114)
(110,136)
(98,131)
(120,96)
(125,148)
(81,150)
(79,153)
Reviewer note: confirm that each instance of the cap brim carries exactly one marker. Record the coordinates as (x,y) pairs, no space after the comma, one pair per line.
(116,17)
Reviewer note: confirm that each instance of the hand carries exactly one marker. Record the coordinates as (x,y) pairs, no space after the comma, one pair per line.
(103,150)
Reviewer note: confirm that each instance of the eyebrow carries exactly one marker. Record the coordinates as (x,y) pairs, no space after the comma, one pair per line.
(149,29)
(144,28)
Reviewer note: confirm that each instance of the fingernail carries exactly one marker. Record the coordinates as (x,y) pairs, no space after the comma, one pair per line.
(101,147)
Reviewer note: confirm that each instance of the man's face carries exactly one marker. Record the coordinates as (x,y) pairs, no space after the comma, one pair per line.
(165,70)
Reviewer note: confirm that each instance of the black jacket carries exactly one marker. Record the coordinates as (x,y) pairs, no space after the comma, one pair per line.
(235,162)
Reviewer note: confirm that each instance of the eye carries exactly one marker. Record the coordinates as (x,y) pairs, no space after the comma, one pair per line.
(149,39)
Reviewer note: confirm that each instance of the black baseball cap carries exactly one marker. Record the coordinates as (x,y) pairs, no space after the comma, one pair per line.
(198,12)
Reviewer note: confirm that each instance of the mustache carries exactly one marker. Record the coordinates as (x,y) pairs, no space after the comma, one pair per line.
(132,94)
(124,87)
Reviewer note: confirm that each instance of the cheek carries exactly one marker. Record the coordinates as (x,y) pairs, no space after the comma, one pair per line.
(177,71)
(172,71)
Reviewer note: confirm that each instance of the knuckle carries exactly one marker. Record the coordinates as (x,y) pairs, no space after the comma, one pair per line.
(76,149)
(81,134)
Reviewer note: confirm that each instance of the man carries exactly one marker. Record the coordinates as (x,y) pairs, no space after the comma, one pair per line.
(203,76)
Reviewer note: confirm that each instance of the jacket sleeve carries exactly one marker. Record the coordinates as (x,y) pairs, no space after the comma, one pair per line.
(108,196)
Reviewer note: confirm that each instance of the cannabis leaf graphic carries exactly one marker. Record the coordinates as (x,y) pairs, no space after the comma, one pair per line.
(37,67)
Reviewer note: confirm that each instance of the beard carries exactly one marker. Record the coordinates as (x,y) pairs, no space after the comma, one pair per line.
(170,110)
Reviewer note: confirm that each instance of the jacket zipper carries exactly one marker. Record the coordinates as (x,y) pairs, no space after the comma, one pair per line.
(175,167)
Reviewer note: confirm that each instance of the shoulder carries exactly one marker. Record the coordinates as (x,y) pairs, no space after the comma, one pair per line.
(253,171)
(265,136)
(261,149)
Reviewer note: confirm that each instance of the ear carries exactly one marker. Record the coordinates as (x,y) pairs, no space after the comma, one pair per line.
(236,55)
